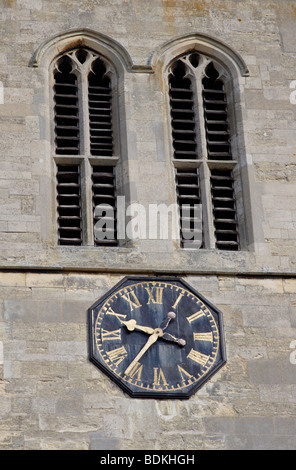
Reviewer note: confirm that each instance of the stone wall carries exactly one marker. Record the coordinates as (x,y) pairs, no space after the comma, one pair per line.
(52,397)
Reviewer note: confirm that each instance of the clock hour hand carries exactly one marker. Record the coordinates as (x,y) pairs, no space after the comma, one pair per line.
(132,325)
(169,337)
(151,340)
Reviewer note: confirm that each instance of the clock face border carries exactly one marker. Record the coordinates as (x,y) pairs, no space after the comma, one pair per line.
(131,390)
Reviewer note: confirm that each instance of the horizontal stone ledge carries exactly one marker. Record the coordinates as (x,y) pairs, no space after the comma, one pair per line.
(128,260)
(147,270)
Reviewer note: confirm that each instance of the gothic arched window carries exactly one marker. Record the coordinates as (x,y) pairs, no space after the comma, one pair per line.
(86,148)
(204,160)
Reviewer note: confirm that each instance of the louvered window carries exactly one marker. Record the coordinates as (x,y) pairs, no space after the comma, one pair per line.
(69,205)
(224,210)
(188,197)
(85,149)
(215,112)
(202,152)
(66,110)
(104,205)
(182,114)
(100,107)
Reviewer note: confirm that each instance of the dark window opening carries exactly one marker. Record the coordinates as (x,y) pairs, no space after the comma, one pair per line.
(215,113)
(182,114)
(224,210)
(100,111)
(69,205)
(66,109)
(104,205)
(83,99)
(197,92)
(188,198)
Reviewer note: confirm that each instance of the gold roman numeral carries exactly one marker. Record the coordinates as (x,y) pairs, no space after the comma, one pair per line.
(155,294)
(136,371)
(111,335)
(195,316)
(117,355)
(159,378)
(119,316)
(184,374)
(198,357)
(134,302)
(203,336)
(178,300)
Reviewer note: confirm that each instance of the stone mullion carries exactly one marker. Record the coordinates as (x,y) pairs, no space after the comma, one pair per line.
(86,170)
(204,171)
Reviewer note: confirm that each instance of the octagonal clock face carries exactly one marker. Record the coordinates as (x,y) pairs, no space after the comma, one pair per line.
(156,337)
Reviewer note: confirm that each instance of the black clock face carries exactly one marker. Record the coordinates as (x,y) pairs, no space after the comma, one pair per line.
(156,337)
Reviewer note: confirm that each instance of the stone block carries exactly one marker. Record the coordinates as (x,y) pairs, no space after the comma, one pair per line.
(47,280)
(12,279)
(5,405)
(67,350)
(98,441)
(24,310)
(219,425)
(290,285)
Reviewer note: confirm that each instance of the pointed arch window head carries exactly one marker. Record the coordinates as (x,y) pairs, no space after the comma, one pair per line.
(67,136)
(100,110)
(86,152)
(182,112)
(216,115)
(83,105)
(201,141)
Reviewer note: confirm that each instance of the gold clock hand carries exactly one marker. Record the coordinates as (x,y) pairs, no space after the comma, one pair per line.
(151,340)
(132,325)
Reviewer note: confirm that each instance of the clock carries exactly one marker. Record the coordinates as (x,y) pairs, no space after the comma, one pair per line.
(156,337)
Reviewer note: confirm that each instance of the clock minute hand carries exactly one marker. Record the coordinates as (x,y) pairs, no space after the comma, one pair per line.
(166,321)
(132,325)
(151,340)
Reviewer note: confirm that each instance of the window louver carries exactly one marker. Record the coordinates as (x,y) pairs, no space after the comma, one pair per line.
(104,205)
(215,112)
(69,205)
(224,210)
(66,109)
(182,114)
(100,111)
(188,195)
